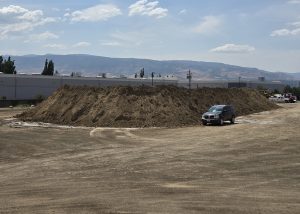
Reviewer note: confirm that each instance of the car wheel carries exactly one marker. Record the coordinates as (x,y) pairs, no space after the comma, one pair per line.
(232,120)
(221,122)
(204,123)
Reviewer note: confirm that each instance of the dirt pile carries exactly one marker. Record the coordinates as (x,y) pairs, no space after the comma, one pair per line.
(165,106)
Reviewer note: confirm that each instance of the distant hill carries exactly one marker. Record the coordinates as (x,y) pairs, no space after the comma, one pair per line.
(94,65)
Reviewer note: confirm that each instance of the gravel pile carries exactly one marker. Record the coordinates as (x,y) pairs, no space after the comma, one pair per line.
(164,106)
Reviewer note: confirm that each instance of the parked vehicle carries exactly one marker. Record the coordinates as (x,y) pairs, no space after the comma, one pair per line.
(278,98)
(218,114)
(286,98)
(290,98)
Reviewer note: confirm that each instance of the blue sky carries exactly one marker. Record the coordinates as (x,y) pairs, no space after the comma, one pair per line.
(256,33)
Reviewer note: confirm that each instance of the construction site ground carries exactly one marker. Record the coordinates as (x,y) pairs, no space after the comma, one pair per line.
(250,167)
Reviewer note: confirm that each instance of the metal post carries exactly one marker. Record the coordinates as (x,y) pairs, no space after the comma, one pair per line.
(15,77)
(189,77)
(152,75)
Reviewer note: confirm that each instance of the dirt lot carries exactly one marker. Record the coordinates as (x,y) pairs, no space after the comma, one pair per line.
(250,167)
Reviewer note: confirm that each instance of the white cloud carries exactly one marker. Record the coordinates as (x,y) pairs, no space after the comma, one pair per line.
(5,30)
(12,9)
(43,36)
(184,11)
(295,24)
(291,29)
(62,46)
(147,8)
(55,46)
(294,2)
(134,38)
(286,32)
(281,32)
(81,44)
(55,9)
(232,48)
(208,25)
(16,19)
(111,43)
(32,16)
(101,12)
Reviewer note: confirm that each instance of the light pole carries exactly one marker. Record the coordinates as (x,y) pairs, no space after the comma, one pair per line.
(189,77)
(15,77)
(152,75)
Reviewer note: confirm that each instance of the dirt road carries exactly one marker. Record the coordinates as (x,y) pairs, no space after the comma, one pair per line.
(250,167)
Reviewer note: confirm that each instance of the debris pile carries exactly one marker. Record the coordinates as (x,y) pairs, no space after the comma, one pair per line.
(125,106)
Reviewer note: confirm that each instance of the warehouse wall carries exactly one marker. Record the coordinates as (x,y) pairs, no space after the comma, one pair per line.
(29,87)
(271,86)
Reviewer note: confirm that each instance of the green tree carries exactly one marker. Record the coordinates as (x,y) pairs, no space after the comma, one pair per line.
(1,63)
(287,89)
(296,91)
(48,68)
(45,70)
(142,73)
(9,66)
(50,71)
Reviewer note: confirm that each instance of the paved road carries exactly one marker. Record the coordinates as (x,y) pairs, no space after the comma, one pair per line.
(250,167)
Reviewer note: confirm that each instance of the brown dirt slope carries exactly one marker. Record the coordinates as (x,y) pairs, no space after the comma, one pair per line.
(164,106)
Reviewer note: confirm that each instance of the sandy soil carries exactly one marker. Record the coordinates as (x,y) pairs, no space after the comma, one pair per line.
(250,167)
(124,106)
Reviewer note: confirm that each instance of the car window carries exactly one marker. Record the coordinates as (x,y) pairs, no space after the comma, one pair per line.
(215,109)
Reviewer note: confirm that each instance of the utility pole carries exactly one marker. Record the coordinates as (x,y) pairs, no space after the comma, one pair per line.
(240,81)
(152,75)
(15,78)
(189,77)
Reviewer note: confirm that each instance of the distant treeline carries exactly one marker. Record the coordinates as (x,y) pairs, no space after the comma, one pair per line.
(7,66)
(294,90)
(48,68)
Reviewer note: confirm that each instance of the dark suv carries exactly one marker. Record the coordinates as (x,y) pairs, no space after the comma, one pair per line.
(218,114)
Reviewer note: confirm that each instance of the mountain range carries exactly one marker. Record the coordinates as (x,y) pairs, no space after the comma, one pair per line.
(90,65)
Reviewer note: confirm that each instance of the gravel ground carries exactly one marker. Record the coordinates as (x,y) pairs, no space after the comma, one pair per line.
(249,167)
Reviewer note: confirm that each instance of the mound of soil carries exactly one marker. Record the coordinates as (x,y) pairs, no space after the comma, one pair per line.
(164,106)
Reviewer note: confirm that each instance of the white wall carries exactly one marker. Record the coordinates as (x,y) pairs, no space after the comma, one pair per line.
(27,87)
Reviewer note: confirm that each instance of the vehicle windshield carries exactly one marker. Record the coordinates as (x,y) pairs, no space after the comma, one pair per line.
(215,109)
